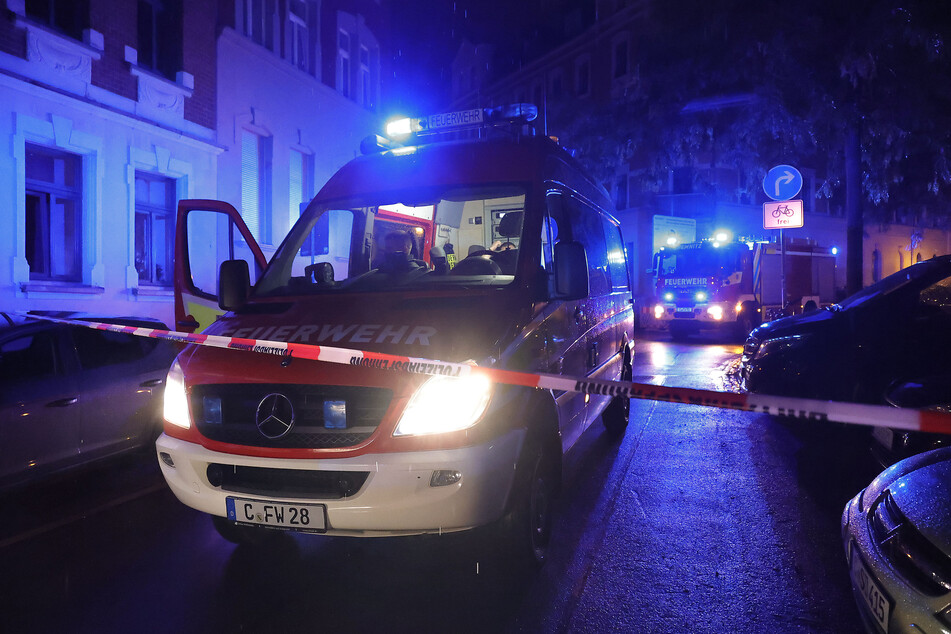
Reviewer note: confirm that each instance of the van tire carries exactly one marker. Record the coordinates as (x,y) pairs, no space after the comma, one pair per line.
(525,531)
(617,414)
(240,534)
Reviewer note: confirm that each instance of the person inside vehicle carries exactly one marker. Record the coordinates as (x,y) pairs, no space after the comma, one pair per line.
(398,254)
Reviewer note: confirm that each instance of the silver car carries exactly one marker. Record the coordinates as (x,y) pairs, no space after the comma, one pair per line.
(897,537)
(70,395)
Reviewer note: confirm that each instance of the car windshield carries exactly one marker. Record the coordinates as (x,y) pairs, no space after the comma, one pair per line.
(452,237)
(922,271)
(701,261)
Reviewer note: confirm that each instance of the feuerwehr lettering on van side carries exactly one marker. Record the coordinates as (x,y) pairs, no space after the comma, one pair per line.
(336,333)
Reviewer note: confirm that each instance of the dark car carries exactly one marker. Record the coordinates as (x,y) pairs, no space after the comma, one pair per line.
(895,330)
(70,395)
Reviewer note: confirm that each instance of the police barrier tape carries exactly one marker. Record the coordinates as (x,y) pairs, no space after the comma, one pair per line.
(807,409)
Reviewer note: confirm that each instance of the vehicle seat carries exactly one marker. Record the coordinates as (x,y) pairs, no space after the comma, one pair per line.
(438,257)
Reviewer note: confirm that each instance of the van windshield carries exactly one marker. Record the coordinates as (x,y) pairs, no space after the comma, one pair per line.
(451,237)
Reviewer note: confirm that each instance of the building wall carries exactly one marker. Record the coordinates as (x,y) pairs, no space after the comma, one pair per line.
(263,94)
(89,99)
(92,96)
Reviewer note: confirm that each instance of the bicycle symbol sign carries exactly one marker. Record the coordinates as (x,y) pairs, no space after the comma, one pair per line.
(785,214)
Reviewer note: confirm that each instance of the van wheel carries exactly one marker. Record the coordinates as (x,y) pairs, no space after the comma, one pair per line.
(526,529)
(240,534)
(618,412)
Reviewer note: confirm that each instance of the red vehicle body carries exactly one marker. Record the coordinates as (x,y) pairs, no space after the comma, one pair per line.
(735,286)
(262,442)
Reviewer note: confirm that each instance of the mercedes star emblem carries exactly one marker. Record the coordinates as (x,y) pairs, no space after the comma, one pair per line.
(274,416)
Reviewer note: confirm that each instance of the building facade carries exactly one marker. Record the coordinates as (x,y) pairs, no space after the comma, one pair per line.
(113,110)
(599,66)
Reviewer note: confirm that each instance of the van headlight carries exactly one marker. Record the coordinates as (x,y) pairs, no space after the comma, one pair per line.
(444,404)
(176,401)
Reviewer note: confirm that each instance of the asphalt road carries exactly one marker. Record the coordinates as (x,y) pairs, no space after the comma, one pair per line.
(698,520)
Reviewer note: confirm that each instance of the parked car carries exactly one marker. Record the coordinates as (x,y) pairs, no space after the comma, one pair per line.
(897,538)
(894,330)
(70,395)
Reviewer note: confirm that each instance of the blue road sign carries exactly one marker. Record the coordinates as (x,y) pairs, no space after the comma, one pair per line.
(782,182)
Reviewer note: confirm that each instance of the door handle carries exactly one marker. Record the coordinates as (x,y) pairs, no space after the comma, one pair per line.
(152,383)
(64,402)
(187,323)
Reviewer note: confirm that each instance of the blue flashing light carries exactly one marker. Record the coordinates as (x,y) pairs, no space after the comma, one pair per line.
(835,250)
(701,296)
(401,127)
(668,297)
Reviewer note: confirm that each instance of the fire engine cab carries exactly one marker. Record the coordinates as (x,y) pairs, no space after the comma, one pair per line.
(498,251)
(736,285)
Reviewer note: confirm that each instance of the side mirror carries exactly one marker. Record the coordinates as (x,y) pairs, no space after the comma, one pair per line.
(234,284)
(571,271)
(923,393)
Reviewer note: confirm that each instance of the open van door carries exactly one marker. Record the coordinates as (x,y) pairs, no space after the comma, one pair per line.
(208,232)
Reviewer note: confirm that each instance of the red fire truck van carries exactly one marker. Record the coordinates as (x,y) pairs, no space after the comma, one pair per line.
(509,258)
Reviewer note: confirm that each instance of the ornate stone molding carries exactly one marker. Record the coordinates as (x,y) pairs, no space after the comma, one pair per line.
(159,94)
(61,61)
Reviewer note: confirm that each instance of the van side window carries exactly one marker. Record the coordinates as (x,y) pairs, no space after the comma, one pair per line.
(616,259)
(569,218)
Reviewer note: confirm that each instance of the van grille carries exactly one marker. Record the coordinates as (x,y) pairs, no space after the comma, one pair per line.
(325,416)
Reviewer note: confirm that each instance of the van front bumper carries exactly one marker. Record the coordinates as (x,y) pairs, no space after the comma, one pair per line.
(398,496)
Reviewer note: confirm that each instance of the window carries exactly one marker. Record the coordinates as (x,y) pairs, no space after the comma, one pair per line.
(68,16)
(301,182)
(99,348)
(343,63)
(620,59)
(154,228)
(357,61)
(297,35)
(366,89)
(617,262)
(53,214)
(160,36)
(256,184)
(258,21)
(28,357)
(571,219)
(583,78)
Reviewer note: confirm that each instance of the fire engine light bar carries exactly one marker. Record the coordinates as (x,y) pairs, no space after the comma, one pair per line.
(517,113)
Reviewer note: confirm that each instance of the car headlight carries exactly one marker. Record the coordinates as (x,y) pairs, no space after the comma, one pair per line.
(780,344)
(444,404)
(715,311)
(176,401)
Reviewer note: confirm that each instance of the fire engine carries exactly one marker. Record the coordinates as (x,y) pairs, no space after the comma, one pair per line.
(736,285)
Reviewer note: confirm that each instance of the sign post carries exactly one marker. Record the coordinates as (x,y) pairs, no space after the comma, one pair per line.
(782,183)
